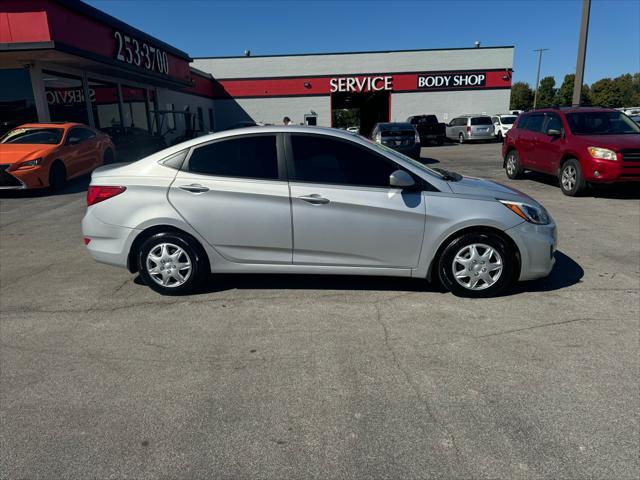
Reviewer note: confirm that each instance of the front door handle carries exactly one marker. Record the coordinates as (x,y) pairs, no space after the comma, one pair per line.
(194,188)
(314,199)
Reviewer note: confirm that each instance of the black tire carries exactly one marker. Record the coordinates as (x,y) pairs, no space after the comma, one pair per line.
(461,138)
(499,137)
(57,176)
(512,166)
(440,141)
(574,184)
(503,280)
(193,254)
(108,157)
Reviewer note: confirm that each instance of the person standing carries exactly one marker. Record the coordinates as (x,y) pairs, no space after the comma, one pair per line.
(286,121)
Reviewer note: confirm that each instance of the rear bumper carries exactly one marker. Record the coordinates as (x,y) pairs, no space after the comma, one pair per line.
(410,151)
(108,243)
(537,245)
(471,138)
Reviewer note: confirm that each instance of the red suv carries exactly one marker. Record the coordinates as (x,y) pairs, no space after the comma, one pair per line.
(578,145)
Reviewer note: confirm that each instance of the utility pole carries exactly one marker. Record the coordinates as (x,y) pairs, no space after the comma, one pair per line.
(582,53)
(535,97)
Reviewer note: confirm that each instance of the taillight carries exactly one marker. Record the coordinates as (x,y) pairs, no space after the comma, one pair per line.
(99,193)
(468,130)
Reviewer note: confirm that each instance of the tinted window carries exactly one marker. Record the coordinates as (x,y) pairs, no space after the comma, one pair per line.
(250,157)
(553,123)
(481,121)
(325,160)
(534,124)
(522,122)
(176,160)
(507,120)
(79,135)
(601,123)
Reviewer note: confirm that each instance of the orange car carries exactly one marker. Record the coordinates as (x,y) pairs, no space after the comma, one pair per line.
(39,155)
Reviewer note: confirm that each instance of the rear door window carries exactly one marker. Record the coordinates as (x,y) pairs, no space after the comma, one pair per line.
(535,122)
(246,157)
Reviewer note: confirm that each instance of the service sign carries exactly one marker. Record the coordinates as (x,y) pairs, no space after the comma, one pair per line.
(361,84)
(453,80)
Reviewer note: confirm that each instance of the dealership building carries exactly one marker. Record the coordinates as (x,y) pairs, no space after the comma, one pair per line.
(63,60)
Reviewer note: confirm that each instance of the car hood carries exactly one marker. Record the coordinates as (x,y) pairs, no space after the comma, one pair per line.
(19,152)
(488,189)
(612,142)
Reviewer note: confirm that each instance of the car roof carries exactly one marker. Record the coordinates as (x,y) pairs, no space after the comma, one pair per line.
(394,124)
(573,109)
(53,125)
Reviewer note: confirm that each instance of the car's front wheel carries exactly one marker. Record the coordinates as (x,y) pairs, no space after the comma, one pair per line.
(477,265)
(172,263)
(572,181)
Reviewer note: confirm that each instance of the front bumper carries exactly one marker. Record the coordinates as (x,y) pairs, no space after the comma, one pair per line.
(108,243)
(607,171)
(33,177)
(537,245)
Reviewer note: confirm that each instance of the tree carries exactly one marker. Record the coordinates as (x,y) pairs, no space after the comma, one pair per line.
(625,87)
(565,92)
(605,93)
(546,92)
(521,96)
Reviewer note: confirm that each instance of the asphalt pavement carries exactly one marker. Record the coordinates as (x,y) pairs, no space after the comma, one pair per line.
(321,377)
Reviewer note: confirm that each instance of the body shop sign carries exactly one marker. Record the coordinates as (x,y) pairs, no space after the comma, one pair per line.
(454,80)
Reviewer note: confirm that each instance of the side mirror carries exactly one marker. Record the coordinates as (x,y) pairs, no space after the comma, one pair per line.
(401,179)
(554,133)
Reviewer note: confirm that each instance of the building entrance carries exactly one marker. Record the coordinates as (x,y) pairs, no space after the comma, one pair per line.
(361,110)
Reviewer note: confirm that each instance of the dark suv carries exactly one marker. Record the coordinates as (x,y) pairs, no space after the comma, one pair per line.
(578,145)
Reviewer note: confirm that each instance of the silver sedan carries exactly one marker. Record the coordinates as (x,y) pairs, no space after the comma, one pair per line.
(310,200)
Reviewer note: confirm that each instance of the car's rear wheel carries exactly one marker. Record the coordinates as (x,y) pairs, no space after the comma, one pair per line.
(512,165)
(572,181)
(461,138)
(172,263)
(477,265)
(57,176)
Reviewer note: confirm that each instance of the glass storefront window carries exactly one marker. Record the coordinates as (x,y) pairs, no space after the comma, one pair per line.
(104,103)
(134,107)
(65,97)
(17,105)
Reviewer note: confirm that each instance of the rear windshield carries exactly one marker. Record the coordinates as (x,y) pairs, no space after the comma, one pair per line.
(508,120)
(601,123)
(34,136)
(481,121)
(426,119)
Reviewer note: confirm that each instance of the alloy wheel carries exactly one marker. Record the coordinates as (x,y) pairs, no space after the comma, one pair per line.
(477,266)
(168,265)
(569,177)
(511,165)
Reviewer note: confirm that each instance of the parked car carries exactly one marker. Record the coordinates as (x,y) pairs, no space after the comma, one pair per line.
(234,201)
(400,136)
(429,128)
(468,128)
(502,124)
(636,118)
(578,145)
(40,155)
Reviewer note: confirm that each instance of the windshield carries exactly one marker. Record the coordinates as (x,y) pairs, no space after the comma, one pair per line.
(33,136)
(601,123)
(481,121)
(508,120)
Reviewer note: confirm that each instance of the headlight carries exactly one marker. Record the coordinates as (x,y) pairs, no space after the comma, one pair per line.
(530,213)
(31,163)
(602,153)
(378,137)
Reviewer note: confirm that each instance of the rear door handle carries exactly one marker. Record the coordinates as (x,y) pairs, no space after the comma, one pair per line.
(315,199)
(194,188)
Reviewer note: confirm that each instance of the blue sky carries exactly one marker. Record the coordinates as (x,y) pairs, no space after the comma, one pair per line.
(220,28)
